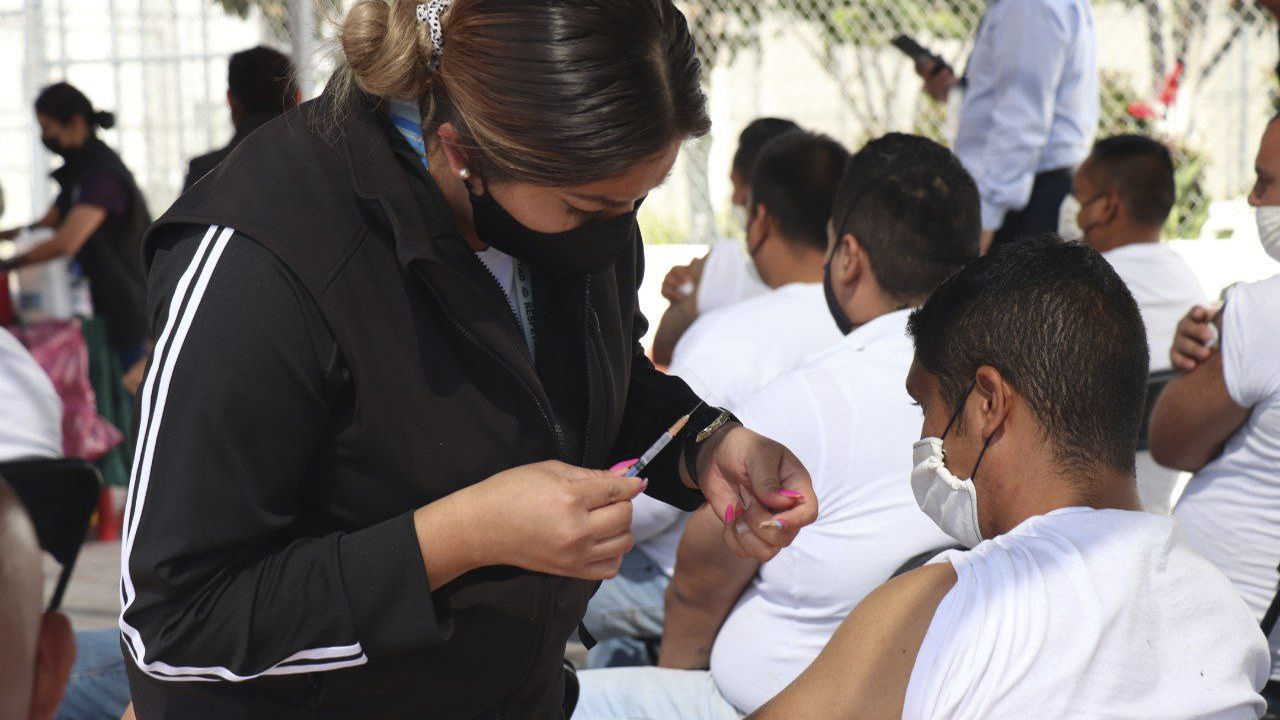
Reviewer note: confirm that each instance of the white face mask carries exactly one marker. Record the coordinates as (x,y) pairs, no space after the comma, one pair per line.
(949,502)
(1068,219)
(1269,230)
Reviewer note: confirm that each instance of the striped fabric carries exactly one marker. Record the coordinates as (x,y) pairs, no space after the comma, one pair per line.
(408,120)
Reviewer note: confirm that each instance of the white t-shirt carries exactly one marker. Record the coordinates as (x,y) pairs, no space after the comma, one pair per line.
(728,354)
(847,416)
(728,276)
(1230,511)
(30,409)
(1165,288)
(1086,613)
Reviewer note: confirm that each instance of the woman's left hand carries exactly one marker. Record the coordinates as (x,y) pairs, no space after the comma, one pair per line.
(758,488)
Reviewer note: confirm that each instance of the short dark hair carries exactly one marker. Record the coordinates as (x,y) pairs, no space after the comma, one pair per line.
(262,80)
(914,209)
(754,137)
(795,179)
(1062,327)
(1138,169)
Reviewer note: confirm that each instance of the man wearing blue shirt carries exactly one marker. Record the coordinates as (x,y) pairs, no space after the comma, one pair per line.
(1029,112)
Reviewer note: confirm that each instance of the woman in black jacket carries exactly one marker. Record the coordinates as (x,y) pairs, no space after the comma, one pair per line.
(382,364)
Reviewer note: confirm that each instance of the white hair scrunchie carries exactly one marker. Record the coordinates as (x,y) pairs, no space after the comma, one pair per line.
(430,14)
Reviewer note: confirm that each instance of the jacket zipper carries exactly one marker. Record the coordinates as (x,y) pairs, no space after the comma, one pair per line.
(511,305)
(586,352)
(597,338)
(544,581)
(557,434)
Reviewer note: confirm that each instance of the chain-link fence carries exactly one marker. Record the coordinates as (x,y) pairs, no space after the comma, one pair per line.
(1199,74)
(161,65)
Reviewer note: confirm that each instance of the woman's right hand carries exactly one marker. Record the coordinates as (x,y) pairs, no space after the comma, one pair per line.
(1193,340)
(547,517)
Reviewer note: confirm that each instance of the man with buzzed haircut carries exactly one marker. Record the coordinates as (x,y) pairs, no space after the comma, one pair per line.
(1030,369)
(1126,191)
(36,648)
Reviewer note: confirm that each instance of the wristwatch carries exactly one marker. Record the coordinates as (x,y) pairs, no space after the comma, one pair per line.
(704,421)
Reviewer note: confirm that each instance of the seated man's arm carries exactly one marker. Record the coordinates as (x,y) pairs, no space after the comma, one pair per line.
(675,321)
(864,670)
(682,311)
(707,582)
(1195,416)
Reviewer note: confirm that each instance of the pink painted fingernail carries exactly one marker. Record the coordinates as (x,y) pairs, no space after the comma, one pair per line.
(790,494)
(729,515)
(775,523)
(644,484)
(624,465)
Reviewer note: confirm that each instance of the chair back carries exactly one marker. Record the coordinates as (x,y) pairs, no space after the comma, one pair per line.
(60,496)
(1156,383)
(922,558)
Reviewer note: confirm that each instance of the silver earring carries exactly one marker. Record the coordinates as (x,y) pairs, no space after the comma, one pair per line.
(464,173)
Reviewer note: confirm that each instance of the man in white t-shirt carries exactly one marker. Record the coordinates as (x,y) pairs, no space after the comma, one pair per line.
(726,274)
(905,217)
(731,352)
(1221,420)
(30,409)
(727,355)
(1126,191)
(1030,367)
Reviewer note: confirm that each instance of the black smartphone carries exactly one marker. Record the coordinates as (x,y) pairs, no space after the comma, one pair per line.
(917,52)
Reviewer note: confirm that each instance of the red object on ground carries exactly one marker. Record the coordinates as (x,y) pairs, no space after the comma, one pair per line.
(6,301)
(109,518)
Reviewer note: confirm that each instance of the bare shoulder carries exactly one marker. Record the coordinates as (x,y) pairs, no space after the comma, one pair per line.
(864,670)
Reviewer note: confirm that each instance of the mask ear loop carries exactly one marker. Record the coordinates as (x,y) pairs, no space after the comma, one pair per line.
(955,415)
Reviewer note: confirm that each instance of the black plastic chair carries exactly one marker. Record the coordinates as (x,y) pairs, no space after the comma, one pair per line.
(1156,383)
(60,496)
(924,557)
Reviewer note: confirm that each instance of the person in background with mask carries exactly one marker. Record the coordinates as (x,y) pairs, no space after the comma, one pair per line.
(1125,192)
(725,275)
(1122,194)
(260,85)
(1221,420)
(1030,368)
(397,337)
(732,352)
(99,217)
(726,356)
(905,217)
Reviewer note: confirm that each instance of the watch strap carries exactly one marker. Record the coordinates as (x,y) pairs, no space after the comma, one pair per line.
(704,421)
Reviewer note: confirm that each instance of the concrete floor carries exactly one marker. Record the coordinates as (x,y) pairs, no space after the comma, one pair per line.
(92,599)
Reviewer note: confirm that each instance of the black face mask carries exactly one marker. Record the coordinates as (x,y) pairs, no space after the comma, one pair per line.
(588,249)
(54,147)
(837,313)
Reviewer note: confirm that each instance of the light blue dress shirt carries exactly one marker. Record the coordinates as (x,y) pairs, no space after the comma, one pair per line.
(1031,104)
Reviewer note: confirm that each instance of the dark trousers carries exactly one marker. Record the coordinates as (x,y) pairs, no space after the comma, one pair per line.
(1040,216)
